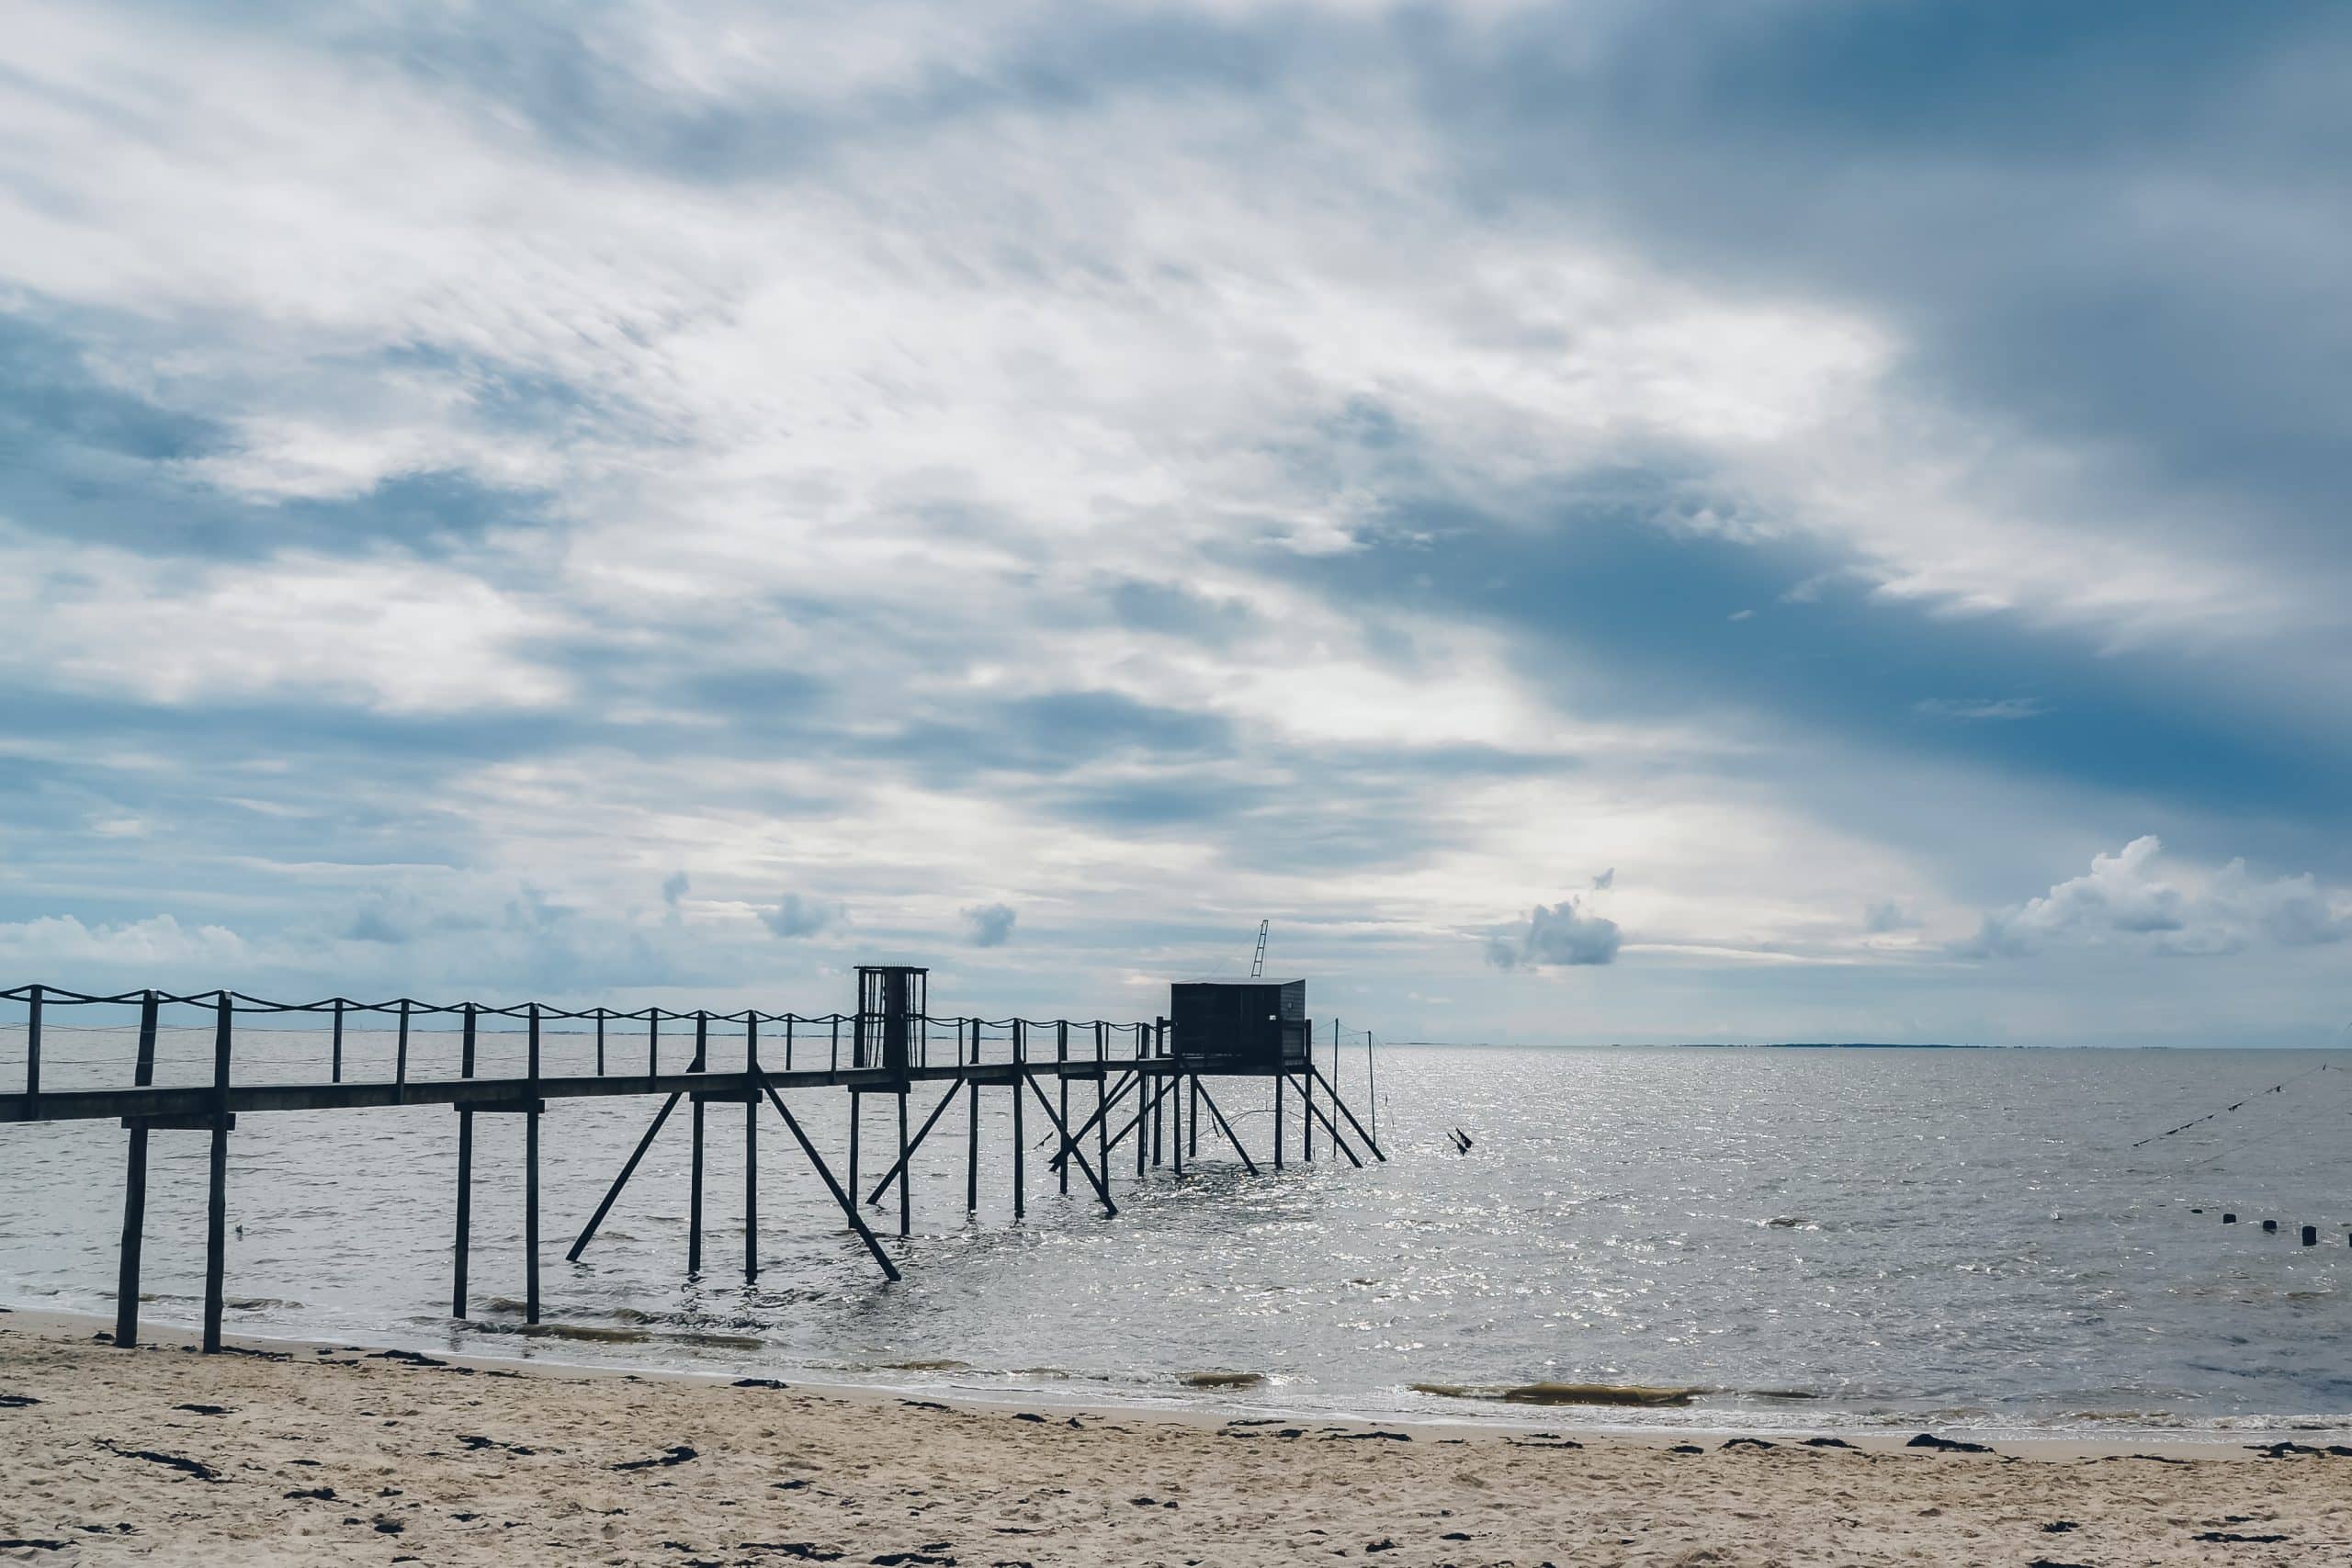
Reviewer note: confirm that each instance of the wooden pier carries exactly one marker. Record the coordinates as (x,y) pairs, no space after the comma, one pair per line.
(1153,1074)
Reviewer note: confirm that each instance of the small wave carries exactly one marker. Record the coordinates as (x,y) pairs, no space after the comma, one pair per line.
(716,1341)
(592,1333)
(1222,1379)
(931,1364)
(1564,1393)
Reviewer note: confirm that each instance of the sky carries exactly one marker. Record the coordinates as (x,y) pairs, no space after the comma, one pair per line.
(1775,520)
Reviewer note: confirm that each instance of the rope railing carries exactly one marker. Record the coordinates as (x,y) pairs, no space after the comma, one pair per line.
(791,1038)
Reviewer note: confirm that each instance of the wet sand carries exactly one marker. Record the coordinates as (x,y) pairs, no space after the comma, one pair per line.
(299,1454)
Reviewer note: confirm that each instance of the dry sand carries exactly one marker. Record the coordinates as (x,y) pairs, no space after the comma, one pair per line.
(303,1454)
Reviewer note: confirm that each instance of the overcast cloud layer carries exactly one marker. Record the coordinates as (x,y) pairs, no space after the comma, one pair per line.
(1604,521)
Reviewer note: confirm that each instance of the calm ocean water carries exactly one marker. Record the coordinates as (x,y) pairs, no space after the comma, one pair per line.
(1804,1237)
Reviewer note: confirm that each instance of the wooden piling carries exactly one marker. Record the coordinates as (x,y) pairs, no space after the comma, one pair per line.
(531,1182)
(337,1068)
(400,1058)
(1061,1053)
(464,1176)
(216,1207)
(600,1042)
(857,1115)
(1020,1140)
(1306,1110)
(694,1199)
(972,1142)
(1193,1119)
(2311,1235)
(134,1190)
(1278,1121)
(906,1177)
(2270,1227)
(2229,1219)
(750,1155)
(32,1046)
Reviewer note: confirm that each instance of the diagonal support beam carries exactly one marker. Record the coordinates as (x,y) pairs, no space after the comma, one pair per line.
(1224,1124)
(1070,1145)
(849,1204)
(1317,1111)
(1117,1094)
(894,1173)
(588,1232)
(1159,1092)
(1350,1115)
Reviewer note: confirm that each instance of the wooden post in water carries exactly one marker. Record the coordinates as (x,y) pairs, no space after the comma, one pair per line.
(1278,1121)
(906,1177)
(465,1174)
(1102,1111)
(600,1041)
(338,1040)
(531,1182)
(694,1197)
(2311,1235)
(972,1141)
(32,1048)
(1020,1157)
(752,1151)
(1192,1119)
(216,1207)
(856,1116)
(1061,1053)
(1307,1111)
(400,1058)
(134,1190)
(1158,1147)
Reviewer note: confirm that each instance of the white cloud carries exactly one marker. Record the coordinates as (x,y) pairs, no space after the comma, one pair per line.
(2126,897)
(1563,934)
(55,944)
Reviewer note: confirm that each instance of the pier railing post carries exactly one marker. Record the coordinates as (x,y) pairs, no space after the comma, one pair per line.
(134,1190)
(216,1208)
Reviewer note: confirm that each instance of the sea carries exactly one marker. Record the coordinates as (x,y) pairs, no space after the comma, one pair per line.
(2011,1242)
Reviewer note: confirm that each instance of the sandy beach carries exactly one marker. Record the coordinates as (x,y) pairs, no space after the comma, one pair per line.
(284,1454)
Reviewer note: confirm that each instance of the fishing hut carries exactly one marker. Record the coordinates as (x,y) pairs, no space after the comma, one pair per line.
(1149,1079)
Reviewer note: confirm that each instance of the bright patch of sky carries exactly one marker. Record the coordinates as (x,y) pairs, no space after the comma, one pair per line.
(1604,522)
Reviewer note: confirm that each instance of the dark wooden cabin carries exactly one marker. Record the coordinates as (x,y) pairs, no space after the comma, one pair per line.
(1239,1026)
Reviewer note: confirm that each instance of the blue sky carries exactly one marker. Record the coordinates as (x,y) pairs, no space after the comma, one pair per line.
(1603,521)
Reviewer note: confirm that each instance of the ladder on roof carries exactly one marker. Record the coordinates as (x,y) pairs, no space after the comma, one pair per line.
(1258,963)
